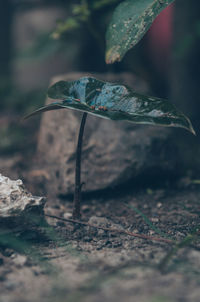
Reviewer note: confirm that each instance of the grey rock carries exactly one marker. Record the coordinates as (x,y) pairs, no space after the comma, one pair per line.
(113,152)
(15,200)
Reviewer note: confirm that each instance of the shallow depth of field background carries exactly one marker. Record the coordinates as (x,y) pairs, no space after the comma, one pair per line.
(167,59)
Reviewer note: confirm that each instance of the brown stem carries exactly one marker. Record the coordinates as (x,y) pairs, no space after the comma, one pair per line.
(77,189)
(141,236)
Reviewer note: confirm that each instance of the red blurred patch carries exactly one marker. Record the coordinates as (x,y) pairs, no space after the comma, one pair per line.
(160,39)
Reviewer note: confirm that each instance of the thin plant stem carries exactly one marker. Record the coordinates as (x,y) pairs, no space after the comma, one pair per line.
(77,189)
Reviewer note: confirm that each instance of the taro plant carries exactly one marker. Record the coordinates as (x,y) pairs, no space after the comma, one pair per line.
(111,101)
(130,20)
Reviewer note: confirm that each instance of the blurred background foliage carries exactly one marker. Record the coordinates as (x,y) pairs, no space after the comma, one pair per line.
(43,38)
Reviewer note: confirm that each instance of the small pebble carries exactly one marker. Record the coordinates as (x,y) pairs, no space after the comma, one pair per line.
(67,215)
(151,233)
(154,219)
(20,260)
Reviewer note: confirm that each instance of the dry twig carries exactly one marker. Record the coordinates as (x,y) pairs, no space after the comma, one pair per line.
(141,236)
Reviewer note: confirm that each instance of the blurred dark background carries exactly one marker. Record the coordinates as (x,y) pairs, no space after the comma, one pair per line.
(42,38)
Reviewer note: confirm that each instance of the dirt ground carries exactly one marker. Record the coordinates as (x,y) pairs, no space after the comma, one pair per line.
(67,262)
(78,263)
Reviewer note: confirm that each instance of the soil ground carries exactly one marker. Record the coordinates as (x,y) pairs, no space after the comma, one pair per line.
(67,262)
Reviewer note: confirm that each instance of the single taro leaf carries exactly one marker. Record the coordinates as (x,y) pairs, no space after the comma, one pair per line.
(115,102)
(129,23)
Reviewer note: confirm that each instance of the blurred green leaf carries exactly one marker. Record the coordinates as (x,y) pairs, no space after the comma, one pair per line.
(65,26)
(129,23)
(115,102)
(82,10)
(102,3)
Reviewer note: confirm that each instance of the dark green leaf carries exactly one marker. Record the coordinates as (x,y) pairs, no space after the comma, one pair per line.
(115,102)
(130,21)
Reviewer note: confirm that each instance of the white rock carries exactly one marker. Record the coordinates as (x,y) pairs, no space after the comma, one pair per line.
(20,260)
(15,199)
